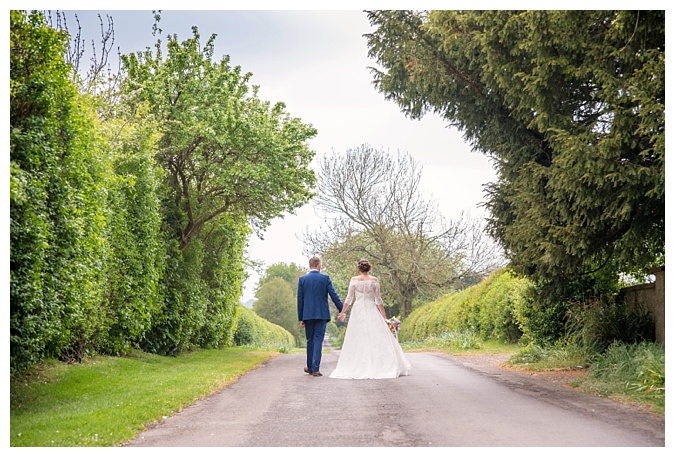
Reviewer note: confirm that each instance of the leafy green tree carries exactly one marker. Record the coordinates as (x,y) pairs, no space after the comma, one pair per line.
(276,303)
(289,272)
(231,162)
(224,150)
(570,105)
(57,201)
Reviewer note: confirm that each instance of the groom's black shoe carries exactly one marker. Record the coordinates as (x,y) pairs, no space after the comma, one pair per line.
(307,371)
(317,373)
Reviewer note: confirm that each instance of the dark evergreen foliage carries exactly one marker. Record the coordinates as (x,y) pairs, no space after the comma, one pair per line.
(570,105)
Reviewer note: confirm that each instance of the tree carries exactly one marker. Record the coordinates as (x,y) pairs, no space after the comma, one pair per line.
(379,212)
(224,150)
(98,79)
(232,163)
(276,303)
(570,104)
(288,272)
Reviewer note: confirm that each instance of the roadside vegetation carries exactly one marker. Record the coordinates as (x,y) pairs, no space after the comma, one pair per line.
(575,125)
(609,344)
(130,212)
(254,331)
(634,372)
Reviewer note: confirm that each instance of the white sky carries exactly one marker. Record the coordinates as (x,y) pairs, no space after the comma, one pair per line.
(314,60)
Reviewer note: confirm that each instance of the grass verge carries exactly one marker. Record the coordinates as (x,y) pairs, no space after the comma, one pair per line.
(629,372)
(463,343)
(623,372)
(105,401)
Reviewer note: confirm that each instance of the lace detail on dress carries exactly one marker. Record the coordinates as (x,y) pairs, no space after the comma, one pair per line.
(370,289)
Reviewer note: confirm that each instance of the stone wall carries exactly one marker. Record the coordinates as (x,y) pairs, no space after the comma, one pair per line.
(653,297)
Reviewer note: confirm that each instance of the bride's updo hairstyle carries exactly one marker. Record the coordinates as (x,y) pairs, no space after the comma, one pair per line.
(364,265)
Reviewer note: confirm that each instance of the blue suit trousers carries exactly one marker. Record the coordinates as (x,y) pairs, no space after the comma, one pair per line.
(315,329)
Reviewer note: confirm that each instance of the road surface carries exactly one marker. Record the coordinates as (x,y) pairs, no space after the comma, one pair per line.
(442,403)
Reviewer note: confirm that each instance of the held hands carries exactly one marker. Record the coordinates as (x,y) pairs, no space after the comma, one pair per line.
(342,316)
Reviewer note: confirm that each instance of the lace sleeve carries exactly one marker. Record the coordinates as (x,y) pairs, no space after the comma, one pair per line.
(350,294)
(376,290)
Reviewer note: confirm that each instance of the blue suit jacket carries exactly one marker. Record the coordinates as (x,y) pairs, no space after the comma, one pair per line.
(313,291)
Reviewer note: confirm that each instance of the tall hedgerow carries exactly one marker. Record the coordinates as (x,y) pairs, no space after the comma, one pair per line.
(57,203)
(135,254)
(131,209)
(487,309)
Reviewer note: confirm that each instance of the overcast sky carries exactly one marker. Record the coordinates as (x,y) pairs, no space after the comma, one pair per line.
(316,62)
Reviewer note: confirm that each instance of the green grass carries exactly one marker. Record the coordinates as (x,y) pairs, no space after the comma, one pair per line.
(460,343)
(555,357)
(106,401)
(623,372)
(629,372)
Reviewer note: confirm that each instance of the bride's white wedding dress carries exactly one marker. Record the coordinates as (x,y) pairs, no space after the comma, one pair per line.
(370,350)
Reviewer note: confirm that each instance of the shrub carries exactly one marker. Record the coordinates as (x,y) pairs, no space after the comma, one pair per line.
(486,309)
(599,322)
(539,323)
(57,201)
(253,330)
(134,264)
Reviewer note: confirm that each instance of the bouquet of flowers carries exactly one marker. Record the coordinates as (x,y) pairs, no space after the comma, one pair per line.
(393,325)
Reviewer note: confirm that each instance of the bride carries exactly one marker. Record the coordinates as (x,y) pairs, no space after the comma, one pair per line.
(370,350)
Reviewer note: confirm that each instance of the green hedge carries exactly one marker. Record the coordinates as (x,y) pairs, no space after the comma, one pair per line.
(253,330)
(94,264)
(57,208)
(488,309)
(135,253)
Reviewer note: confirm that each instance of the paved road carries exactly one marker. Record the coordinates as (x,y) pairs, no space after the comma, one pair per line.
(442,403)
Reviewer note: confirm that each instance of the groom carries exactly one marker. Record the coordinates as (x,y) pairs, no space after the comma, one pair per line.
(314,312)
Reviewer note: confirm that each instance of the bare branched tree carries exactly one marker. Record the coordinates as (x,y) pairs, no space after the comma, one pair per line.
(374,208)
(99,79)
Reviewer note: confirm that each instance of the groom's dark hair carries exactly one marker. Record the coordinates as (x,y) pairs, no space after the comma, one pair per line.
(314,262)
